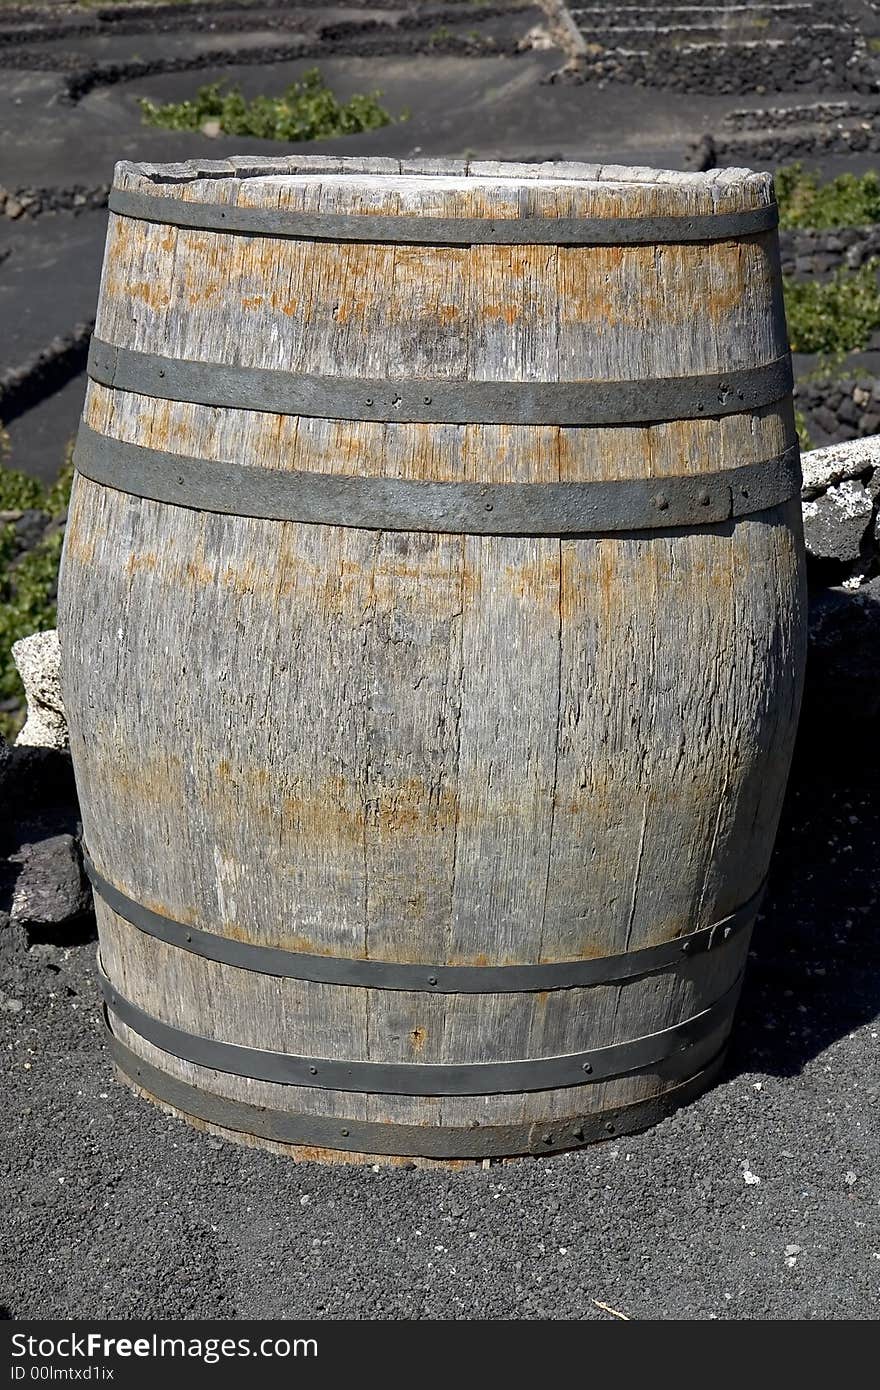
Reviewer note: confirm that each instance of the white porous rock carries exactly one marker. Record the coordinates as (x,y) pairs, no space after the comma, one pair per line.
(538,38)
(38,659)
(824,468)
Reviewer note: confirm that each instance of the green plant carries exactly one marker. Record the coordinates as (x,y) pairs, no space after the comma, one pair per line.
(27,583)
(307,110)
(833,316)
(19,493)
(847,201)
(439,34)
(803,433)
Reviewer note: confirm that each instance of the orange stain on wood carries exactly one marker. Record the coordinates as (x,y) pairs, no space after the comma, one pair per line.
(198,573)
(283,304)
(135,563)
(509,312)
(202,294)
(155,780)
(150,292)
(79,542)
(537,579)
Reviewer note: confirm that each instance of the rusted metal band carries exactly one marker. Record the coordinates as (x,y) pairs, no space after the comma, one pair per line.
(428,401)
(397,504)
(432,979)
(670,1049)
(419,1141)
(444,231)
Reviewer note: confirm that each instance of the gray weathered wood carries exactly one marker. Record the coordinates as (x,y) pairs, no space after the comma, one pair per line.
(420,747)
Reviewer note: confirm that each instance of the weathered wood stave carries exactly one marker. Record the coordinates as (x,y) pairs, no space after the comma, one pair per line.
(468,766)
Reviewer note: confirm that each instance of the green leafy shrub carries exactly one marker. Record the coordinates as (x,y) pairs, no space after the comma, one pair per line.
(847,201)
(803,432)
(27,583)
(833,316)
(19,493)
(307,110)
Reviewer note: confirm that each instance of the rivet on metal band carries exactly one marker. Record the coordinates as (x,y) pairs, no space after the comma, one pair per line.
(427,977)
(475,1141)
(444,231)
(429,401)
(397,504)
(670,1050)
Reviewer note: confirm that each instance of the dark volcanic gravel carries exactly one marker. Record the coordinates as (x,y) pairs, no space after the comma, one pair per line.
(758,1201)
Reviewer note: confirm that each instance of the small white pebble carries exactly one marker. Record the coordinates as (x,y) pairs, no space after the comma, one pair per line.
(304,1200)
(792,1249)
(791,1261)
(751,1178)
(850,1178)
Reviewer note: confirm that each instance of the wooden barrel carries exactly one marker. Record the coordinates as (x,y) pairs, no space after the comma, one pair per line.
(433,623)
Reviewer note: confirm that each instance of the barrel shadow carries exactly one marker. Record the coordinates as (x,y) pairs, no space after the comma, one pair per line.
(814,967)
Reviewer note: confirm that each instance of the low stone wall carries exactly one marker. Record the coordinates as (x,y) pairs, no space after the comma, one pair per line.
(807,252)
(769,147)
(788,117)
(30,202)
(837,410)
(813,60)
(590,17)
(783,133)
(46,371)
(458,29)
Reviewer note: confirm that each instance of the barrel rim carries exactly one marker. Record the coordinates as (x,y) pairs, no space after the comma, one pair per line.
(717,182)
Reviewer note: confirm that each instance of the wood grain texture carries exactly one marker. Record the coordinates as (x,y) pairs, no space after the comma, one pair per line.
(416,747)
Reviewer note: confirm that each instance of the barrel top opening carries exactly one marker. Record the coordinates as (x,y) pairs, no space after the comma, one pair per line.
(268,167)
(231,180)
(452,181)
